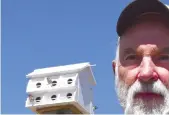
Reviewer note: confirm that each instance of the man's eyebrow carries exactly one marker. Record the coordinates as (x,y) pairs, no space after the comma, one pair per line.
(129,50)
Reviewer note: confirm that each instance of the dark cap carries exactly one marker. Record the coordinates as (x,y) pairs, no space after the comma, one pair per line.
(138,8)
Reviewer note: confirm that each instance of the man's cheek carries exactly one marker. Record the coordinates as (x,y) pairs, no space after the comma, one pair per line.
(131,77)
(122,73)
(163,76)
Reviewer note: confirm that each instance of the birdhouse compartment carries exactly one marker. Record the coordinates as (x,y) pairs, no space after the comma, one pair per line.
(36,84)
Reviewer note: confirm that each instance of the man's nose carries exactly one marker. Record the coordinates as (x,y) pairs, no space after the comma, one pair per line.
(147,71)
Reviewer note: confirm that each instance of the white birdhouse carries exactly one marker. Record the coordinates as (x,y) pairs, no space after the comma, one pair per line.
(65,88)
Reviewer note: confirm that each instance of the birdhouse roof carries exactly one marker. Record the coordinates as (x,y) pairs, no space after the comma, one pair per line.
(60,70)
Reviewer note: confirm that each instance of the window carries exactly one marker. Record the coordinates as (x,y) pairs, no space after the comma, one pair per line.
(54,83)
(53,97)
(69,95)
(69,81)
(38,99)
(38,85)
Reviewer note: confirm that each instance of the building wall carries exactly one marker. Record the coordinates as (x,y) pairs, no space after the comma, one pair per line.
(86,88)
(80,93)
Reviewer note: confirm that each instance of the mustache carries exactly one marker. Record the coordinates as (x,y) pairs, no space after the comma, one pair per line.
(140,87)
(156,87)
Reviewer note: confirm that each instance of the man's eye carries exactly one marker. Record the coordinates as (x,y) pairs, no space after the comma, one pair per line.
(131,57)
(163,57)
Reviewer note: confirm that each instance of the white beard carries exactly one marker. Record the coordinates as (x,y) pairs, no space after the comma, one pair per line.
(140,107)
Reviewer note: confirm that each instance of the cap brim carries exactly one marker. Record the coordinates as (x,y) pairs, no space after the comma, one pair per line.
(137,8)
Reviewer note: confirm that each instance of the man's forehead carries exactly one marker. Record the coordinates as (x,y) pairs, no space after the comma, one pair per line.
(158,38)
(142,49)
(143,44)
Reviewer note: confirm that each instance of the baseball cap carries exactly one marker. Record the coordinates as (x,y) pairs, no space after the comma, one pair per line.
(138,8)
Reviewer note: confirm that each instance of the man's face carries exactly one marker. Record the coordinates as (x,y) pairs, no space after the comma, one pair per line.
(142,69)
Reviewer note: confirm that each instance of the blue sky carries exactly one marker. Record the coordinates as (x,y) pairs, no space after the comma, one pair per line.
(45,33)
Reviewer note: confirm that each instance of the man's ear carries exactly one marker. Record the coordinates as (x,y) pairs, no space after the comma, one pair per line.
(113,65)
